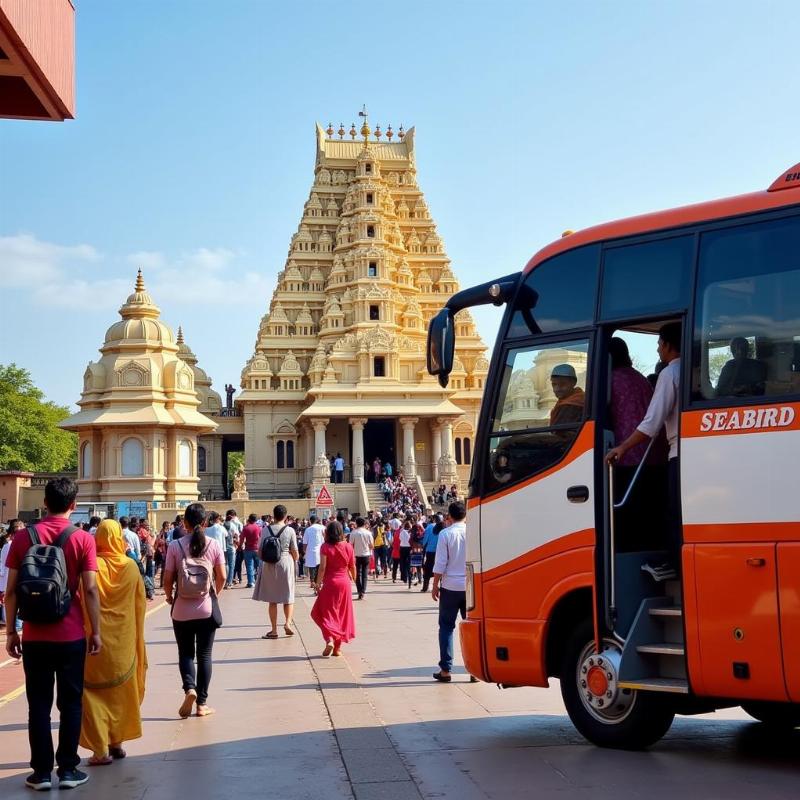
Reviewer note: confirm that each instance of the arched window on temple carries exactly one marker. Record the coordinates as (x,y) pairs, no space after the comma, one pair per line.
(458,450)
(86,460)
(281,455)
(201,459)
(289,455)
(132,457)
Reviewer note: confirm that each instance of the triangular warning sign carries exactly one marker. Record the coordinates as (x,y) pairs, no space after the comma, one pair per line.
(324,497)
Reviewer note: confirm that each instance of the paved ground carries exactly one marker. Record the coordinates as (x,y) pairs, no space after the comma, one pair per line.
(374,725)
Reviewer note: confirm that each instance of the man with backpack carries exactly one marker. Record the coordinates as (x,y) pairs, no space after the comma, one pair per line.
(47,564)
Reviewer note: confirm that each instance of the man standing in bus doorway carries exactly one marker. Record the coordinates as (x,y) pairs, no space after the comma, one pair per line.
(663,413)
(450,583)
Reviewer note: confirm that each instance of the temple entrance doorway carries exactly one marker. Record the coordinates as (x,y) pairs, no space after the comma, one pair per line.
(232,459)
(379,440)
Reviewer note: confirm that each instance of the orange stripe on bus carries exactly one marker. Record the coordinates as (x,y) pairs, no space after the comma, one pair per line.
(583,443)
(768,418)
(571,541)
(723,532)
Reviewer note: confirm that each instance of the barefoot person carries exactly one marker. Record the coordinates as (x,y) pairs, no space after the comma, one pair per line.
(196,569)
(275,582)
(333,608)
(114,681)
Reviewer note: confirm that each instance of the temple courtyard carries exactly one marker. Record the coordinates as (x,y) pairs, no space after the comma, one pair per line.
(373,724)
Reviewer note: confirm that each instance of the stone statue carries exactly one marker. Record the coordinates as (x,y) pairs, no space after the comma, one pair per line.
(229,390)
(240,481)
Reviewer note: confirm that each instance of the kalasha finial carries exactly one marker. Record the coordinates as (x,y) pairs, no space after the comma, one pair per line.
(401,133)
(330,131)
(365,131)
(389,132)
(341,130)
(180,335)
(378,133)
(353,130)
(139,282)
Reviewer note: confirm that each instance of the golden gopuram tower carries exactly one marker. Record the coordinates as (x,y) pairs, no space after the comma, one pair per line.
(339,360)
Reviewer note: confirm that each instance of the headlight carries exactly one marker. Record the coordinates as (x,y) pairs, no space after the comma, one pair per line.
(470,586)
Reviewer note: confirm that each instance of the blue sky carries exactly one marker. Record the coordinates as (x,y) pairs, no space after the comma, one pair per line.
(193,148)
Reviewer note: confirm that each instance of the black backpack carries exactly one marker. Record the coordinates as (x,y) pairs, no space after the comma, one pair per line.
(271,546)
(43,595)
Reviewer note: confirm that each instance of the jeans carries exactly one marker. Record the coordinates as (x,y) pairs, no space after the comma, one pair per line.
(381,559)
(427,569)
(451,604)
(339,476)
(45,662)
(405,559)
(362,571)
(237,567)
(251,563)
(230,560)
(195,637)
(149,569)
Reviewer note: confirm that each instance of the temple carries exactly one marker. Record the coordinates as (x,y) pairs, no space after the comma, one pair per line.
(339,359)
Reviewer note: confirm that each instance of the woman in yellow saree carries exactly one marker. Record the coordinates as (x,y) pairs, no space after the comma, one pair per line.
(114,680)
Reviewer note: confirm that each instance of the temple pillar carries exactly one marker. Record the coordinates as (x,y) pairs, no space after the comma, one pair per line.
(436,439)
(357,424)
(321,471)
(409,461)
(447,463)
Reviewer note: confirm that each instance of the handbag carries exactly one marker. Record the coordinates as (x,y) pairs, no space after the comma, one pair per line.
(216,611)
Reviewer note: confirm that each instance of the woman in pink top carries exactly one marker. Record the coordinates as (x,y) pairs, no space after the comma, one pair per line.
(333,608)
(194,617)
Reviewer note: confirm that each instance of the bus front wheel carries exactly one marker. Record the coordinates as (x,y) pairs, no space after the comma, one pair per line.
(605,714)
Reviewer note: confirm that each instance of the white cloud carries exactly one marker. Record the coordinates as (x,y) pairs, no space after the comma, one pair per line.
(27,262)
(78,278)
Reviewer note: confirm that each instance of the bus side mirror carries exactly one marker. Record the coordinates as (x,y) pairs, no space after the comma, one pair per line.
(441,346)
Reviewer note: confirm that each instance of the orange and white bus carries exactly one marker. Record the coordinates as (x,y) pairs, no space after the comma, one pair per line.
(557,538)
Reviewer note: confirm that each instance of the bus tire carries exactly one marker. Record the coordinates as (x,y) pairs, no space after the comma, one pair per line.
(777,715)
(643,720)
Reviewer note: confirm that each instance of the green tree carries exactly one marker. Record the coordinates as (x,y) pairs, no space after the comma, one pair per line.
(29,437)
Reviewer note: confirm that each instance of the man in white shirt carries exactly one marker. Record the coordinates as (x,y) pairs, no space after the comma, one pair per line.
(361,539)
(663,412)
(450,584)
(132,541)
(216,530)
(313,537)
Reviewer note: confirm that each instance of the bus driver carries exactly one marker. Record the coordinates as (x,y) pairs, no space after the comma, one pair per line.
(571,398)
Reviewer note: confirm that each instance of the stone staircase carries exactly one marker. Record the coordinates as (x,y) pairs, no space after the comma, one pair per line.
(375,497)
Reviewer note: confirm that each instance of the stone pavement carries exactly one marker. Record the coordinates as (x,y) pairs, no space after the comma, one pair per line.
(374,725)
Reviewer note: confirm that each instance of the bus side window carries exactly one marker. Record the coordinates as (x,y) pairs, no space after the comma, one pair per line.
(539,410)
(747,334)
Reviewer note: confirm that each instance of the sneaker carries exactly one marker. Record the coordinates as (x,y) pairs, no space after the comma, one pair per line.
(661,572)
(39,783)
(70,778)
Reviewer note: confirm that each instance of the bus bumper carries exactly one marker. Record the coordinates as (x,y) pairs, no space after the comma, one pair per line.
(470,635)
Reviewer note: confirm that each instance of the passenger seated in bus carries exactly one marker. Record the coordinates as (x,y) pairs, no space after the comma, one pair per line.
(742,376)
(571,398)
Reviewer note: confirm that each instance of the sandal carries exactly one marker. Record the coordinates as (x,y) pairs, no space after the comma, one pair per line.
(326,653)
(116,752)
(188,701)
(289,631)
(103,761)
(270,635)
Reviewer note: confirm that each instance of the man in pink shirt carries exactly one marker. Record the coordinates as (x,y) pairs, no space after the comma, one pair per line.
(55,652)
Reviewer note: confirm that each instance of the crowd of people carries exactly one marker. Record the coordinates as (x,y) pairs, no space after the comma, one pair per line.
(86,636)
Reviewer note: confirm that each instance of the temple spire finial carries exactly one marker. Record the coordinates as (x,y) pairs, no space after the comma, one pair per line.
(365,131)
(180,335)
(139,282)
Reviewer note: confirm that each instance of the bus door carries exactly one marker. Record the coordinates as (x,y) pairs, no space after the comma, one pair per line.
(635,498)
(739,444)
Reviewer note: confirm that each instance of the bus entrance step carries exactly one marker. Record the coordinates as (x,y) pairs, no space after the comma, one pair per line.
(662,648)
(666,611)
(673,685)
